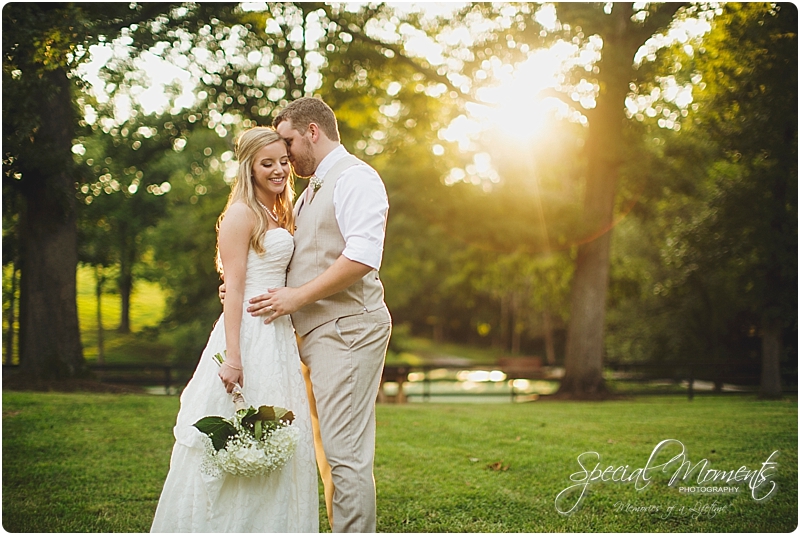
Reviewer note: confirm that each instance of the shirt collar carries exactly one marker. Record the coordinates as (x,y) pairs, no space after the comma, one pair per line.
(330,160)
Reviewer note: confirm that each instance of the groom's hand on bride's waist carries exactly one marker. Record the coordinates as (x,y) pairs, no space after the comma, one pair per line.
(278,302)
(275,303)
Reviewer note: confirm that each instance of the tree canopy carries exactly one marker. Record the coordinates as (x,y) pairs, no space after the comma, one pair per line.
(609,226)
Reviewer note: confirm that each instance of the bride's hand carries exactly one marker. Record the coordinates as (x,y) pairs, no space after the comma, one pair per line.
(230,376)
(222,292)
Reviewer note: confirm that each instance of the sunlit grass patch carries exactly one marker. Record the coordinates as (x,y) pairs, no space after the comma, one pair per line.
(147,310)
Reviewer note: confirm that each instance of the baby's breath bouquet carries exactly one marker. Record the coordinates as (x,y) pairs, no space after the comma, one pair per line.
(254,442)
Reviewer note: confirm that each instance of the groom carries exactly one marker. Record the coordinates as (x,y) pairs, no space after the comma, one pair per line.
(335,299)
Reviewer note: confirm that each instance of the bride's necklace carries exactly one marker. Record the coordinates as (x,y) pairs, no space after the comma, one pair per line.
(270,213)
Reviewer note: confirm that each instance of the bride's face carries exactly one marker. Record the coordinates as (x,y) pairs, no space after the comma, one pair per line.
(271,170)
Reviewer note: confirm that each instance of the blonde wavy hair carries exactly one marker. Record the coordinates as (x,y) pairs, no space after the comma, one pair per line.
(247,145)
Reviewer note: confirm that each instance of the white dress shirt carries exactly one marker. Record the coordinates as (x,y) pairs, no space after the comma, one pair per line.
(360,205)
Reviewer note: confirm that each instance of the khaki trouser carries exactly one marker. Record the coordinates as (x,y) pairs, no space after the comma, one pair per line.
(345,360)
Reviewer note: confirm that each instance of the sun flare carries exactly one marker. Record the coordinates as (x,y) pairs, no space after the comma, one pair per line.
(515,102)
(516,106)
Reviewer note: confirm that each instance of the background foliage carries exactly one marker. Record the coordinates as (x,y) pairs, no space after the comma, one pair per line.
(703,258)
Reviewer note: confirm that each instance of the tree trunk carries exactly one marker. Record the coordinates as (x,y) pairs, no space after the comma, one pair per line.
(125,285)
(438,331)
(584,357)
(516,338)
(583,363)
(549,343)
(771,349)
(50,344)
(12,317)
(716,356)
(99,279)
(125,281)
(504,322)
(516,327)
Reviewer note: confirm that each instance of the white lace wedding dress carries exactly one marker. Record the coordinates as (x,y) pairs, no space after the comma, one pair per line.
(285,500)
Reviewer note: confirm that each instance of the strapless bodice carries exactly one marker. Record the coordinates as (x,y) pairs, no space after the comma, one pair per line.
(268,270)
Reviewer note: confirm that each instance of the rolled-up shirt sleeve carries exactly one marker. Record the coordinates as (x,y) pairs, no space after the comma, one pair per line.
(361,207)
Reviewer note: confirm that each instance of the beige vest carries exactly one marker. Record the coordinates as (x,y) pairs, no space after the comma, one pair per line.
(318,243)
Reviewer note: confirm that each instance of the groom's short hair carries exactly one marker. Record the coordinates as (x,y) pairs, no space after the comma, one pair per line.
(307,110)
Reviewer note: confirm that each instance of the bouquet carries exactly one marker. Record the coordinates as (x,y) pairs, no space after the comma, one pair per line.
(254,442)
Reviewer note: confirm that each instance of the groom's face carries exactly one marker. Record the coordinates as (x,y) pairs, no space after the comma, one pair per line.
(301,151)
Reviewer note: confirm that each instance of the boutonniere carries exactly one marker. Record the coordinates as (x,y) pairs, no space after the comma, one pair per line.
(315,182)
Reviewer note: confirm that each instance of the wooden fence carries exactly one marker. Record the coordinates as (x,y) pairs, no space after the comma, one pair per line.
(174,377)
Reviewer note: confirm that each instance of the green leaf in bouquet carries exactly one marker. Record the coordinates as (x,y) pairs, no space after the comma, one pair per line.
(257,429)
(284,414)
(218,429)
(268,415)
(247,413)
(265,413)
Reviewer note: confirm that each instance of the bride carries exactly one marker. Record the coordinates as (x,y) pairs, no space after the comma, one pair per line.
(254,248)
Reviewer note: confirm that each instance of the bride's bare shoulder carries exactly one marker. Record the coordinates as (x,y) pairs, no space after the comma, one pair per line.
(239,209)
(237,215)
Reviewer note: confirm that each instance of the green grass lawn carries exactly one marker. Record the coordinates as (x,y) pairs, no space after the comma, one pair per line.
(96,463)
